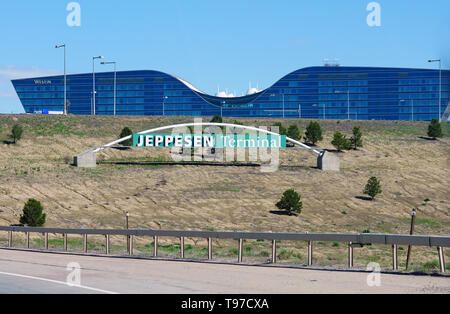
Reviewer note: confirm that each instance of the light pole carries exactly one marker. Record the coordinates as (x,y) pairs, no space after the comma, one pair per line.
(115,83)
(440,85)
(93,77)
(413,219)
(284,116)
(65,77)
(127,216)
(299,111)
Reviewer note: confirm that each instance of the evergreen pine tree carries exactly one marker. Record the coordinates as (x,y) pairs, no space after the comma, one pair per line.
(435,129)
(340,141)
(33,215)
(356,139)
(313,133)
(294,132)
(373,187)
(16,133)
(291,202)
(126,132)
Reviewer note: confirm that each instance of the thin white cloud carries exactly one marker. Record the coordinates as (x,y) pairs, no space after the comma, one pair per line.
(11,72)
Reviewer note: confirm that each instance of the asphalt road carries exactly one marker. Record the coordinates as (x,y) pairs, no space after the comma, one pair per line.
(47,273)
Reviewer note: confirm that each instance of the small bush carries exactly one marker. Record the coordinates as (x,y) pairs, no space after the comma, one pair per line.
(434,129)
(294,132)
(126,132)
(281,129)
(217,119)
(356,139)
(16,133)
(313,133)
(340,141)
(373,187)
(33,215)
(291,202)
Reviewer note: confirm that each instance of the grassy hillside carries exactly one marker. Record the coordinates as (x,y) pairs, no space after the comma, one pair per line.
(414,172)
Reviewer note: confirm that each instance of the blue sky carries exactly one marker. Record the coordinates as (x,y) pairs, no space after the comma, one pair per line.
(214,43)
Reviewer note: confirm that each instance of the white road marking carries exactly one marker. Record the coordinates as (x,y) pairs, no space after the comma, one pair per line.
(58,282)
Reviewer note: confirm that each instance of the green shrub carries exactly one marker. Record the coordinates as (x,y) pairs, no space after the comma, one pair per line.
(33,215)
(340,141)
(435,129)
(313,133)
(294,132)
(373,187)
(291,202)
(281,129)
(126,132)
(16,133)
(217,119)
(356,139)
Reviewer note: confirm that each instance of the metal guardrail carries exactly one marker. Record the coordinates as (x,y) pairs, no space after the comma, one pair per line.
(353,240)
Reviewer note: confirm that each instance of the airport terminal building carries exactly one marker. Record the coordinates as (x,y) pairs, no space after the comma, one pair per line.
(326,92)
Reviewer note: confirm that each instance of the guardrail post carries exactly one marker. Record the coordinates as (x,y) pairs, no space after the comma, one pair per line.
(155,250)
(46,240)
(240,257)
(350,255)
(65,241)
(274,251)
(182,247)
(395,257)
(28,240)
(130,245)
(310,253)
(441,259)
(107,244)
(10,239)
(210,253)
(85,243)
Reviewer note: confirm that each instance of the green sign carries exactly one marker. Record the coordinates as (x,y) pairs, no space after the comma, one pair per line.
(209,140)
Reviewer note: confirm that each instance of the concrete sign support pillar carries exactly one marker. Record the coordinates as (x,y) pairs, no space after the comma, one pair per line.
(328,161)
(87,159)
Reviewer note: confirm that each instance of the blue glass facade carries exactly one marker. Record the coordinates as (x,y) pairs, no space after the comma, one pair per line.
(362,93)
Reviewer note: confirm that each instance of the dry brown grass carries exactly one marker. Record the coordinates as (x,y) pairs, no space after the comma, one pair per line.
(410,168)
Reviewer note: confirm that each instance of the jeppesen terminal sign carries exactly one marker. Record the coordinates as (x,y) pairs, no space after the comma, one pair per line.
(209,141)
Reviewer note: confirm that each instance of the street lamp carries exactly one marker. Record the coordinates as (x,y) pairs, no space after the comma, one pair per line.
(440,85)
(65,78)
(127,215)
(93,76)
(299,111)
(413,219)
(115,83)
